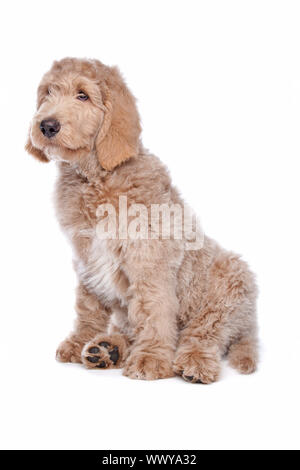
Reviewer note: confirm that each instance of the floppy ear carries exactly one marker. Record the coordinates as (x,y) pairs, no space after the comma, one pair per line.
(37,153)
(118,138)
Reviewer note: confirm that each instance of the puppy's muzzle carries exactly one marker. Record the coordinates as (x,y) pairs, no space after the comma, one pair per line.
(50,127)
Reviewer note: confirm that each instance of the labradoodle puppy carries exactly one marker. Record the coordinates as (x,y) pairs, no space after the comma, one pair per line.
(146,303)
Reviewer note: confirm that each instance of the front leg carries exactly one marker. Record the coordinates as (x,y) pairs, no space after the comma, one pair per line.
(152,315)
(92,319)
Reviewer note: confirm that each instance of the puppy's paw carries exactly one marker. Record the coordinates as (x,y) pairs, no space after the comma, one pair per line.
(69,350)
(244,364)
(196,366)
(105,352)
(243,356)
(148,366)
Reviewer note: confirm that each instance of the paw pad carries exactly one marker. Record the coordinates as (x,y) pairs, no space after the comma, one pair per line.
(101,355)
(94,350)
(114,355)
(190,378)
(93,359)
(102,365)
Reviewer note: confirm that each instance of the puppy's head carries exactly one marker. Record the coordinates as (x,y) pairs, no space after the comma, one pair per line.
(84,106)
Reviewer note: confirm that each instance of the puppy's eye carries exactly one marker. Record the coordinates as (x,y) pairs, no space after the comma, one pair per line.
(82,96)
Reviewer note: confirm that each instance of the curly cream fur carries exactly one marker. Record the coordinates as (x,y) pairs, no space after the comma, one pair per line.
(165,309)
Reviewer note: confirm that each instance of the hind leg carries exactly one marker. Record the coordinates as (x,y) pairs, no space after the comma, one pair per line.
(198,356)
(198,361)
(243,355)
(226,315)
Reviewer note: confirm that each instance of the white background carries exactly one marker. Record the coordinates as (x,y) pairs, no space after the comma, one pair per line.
(218,84)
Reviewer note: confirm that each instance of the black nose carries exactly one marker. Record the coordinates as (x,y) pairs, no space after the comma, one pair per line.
(50,127)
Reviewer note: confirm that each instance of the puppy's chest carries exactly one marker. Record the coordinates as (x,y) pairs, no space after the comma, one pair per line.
(99,271)
(96,264)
